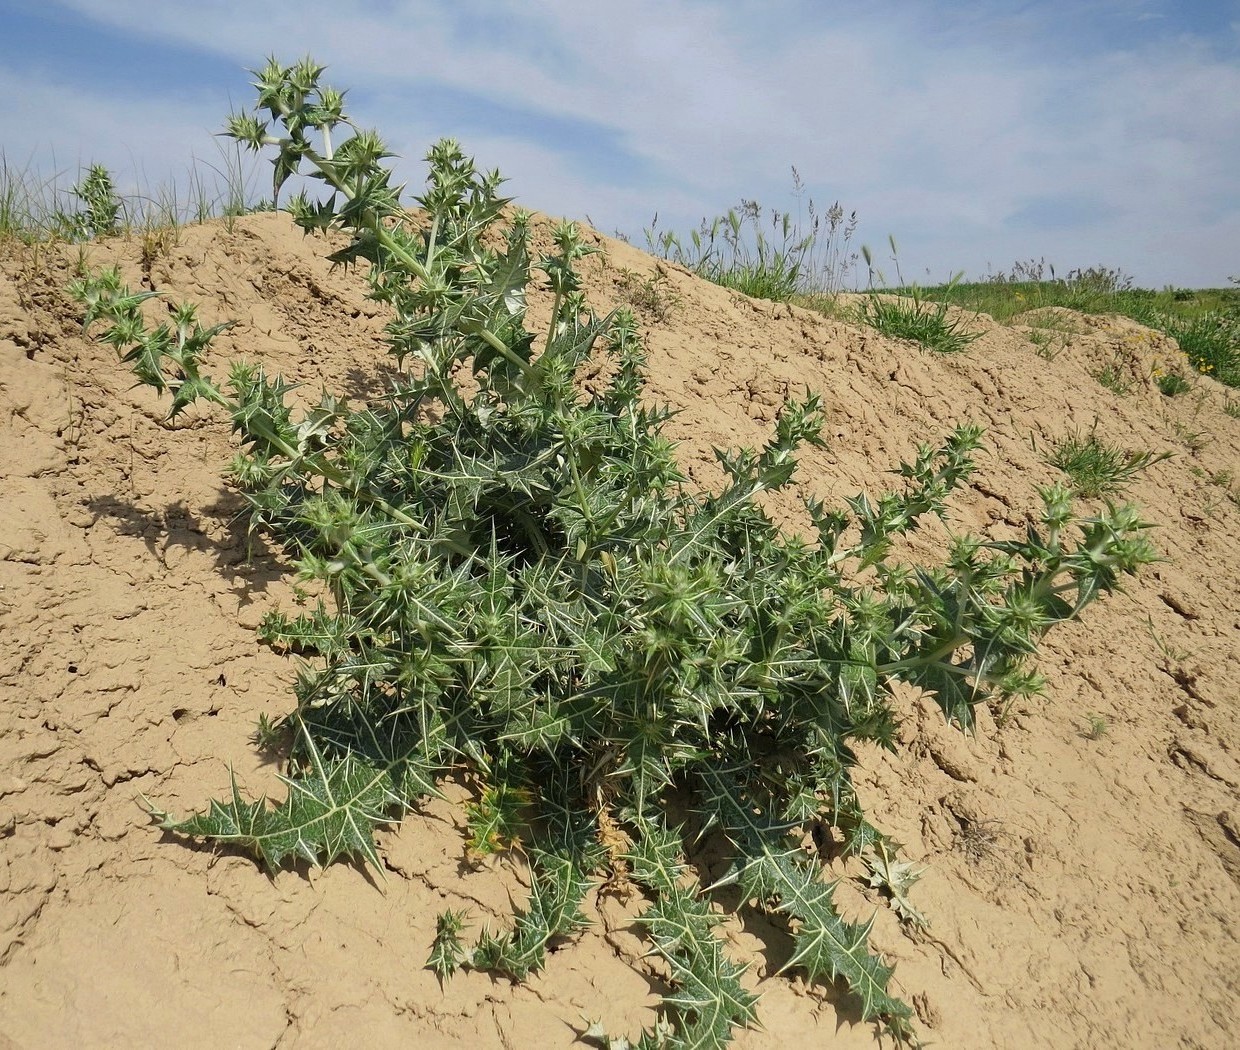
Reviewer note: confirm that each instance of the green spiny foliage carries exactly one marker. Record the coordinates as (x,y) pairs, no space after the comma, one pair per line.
(775,873)
(331,810)
(101,214)
(707,999)
(447,952)
(514,583)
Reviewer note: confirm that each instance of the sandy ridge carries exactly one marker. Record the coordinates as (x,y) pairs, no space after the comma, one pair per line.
(1081,892)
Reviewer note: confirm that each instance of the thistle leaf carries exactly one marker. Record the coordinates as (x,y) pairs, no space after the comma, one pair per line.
(781,877)
(447,952)
(557,887)
(707,996)
(509,279)
(331,811)
(897,878)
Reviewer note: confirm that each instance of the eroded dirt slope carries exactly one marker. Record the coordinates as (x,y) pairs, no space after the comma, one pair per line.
(1082,885)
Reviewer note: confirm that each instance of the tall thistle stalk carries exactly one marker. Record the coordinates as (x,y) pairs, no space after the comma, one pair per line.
(516,582)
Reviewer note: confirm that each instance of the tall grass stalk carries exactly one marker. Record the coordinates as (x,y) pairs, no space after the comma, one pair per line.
(37,205)
(767,253)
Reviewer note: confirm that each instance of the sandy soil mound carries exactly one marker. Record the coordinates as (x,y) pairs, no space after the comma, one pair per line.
(1082,884)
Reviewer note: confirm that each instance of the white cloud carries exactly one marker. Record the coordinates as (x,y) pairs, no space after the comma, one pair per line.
(947,134)
(144,142)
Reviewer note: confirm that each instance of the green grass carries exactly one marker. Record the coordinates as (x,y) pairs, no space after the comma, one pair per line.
(1211,340)
(25,203)
(1096,727)
(1196,440)
(908,312)
(37,207)
(1172,384)
(767,253)
(1111,376)
(1096,468)
(1032,286)
(1049,333)
(911,316)
(653,296)
(1205,322)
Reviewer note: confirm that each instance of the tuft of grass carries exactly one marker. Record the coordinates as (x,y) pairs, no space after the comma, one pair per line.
(1111,376)
(27,203)
(1095,727)
(1172,656)
(1096,468)
(779,257)
(829,306)
(1045,343)
(979,840)
(906,313)
(911,317)
(157,241)
(652,295)
(1049,332)
(1221,479)
(735,251)
(1196,440)
(1173,383)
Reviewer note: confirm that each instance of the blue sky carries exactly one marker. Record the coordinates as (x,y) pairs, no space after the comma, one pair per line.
(1085,132)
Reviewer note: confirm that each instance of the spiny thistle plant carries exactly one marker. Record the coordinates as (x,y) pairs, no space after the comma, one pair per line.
(515,582)
(102,207)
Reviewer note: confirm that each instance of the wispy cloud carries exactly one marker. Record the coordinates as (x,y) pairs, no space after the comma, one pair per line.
(149,142)
(1091,132)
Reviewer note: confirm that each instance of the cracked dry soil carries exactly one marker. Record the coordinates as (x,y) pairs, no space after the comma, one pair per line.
(1081,886)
